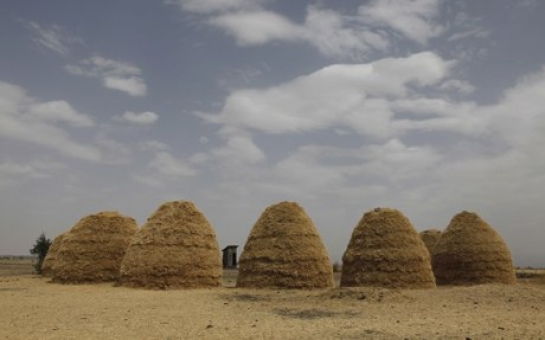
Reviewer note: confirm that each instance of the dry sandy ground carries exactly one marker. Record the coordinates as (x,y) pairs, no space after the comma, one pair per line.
(33,308)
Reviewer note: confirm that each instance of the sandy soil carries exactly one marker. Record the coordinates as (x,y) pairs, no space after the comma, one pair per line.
(33,308)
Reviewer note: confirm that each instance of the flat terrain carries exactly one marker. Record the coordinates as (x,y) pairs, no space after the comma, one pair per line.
(15,267)
(33,308)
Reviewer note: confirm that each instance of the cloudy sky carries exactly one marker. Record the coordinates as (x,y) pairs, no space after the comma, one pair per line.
(428,106)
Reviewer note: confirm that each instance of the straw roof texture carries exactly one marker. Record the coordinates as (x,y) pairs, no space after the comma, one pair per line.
(386,251)
(284,250)
(93,249)
(176,248)
(49,262)
(471,252)
(430,238)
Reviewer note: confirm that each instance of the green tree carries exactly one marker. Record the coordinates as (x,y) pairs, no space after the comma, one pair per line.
(40,248)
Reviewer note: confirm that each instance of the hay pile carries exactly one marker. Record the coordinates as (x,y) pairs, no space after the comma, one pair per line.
(93,249)
(284,250)
(386,251)
(48,266)
(471,252)
(430,238)
(176,248)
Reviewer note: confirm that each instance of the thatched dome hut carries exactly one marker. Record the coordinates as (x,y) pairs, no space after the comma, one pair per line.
(48,266)
(386,251)
(471,252)
(284,250)
(176,248)
(93,249)
(430,238)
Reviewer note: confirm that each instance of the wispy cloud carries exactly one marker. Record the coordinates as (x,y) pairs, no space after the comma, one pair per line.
(331,33)
(476,32)
(23,118)
(163,167)
(114,74)
(334,34)
(52,38)
(378,26)
(142,118)
(415,19)
(12,172)
(212,6)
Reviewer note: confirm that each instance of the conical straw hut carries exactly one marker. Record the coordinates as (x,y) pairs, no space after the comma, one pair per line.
(386,251)
(49,262)
(93,249)
(176,248)
(430,238)
(471,252)
(284,250)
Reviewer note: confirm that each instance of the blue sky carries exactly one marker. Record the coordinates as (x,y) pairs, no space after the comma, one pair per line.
(428,106)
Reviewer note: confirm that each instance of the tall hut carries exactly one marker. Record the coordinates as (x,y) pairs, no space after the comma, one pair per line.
(176,248)
(93,249)
(386,251)
(471,252)
(430,238)
(284,250)
(49,262)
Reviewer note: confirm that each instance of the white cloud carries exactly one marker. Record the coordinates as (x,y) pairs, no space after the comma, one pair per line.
(22,118)
(330,32)
(114,74)
(134,86)
(59,111)
(317,170)
(165,164)
(52,38)
(11,172)
(239,149)
(164,167)
(346,96)
(259,27)
(333,33)
(143,118)
(337,35)
(416,19)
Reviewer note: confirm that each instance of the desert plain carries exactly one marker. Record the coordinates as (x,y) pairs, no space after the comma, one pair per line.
(31,307)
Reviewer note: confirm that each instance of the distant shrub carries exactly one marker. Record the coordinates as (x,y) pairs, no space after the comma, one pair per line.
(40,249)
(337,267)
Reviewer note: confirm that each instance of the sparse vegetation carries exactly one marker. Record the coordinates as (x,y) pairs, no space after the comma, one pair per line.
(40,249)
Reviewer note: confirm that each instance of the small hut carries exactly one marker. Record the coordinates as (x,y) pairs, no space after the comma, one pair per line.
(230,257)
(284,250)
(386,251)
(430,238)
(48,266)
(471,252)
(176,248)
(93,249)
